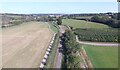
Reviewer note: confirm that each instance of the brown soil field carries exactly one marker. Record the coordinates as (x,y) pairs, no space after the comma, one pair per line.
(24,46)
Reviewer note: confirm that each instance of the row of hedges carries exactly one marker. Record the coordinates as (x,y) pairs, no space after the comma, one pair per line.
(70,48)
(13,23)
(108,20)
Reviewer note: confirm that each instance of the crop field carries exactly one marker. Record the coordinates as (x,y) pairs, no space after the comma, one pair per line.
(102,57)
(99,35)
(82,24)
(24,45)
(84,17)
(53,27)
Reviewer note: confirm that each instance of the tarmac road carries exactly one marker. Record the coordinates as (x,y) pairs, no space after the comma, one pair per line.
(59,52)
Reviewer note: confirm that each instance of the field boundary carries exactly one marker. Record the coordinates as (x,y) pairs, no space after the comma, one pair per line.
(97,43)
(68,27)
(50,60)
(53,27)
(50,28)
(86,59)
(48,52)
(34,37)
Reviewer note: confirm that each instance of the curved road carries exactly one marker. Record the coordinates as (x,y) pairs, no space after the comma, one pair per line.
(97,43)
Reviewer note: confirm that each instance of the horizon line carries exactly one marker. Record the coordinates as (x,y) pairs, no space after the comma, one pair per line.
(57,13)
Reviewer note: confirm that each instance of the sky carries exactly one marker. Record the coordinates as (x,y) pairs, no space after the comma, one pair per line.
(58,1)
(58,7)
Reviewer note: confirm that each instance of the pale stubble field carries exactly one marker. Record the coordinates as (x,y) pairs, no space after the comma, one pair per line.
(24,46)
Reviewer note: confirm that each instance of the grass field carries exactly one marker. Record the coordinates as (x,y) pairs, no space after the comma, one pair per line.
(53,27)
(102,57)
(85,17)
(52,57)
(25,45)
(82,24)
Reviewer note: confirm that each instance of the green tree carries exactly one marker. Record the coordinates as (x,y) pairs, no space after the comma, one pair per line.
(59,21)
(70,49)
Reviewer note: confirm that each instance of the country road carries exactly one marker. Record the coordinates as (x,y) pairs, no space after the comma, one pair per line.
(59,53)
(97,43)
(59,57)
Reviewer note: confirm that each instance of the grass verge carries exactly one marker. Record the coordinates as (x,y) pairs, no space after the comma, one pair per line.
(53,27)
(51,58)
(102,57)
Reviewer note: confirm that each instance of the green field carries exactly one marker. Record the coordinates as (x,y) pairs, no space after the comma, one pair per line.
(102,57)
(85,17)
(53,27)
(52,57)
(97,34)
(82,24)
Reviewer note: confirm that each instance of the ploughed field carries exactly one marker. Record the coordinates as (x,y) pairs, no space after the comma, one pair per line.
(102,56)
(24,46)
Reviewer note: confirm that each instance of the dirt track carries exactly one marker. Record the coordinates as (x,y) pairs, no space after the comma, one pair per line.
(97,43)
(24,46)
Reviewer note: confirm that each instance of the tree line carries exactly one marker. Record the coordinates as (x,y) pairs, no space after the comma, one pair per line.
(70,48)
(110,19)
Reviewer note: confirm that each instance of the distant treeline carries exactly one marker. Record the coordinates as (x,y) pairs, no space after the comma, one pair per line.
(70,49)
(110,19)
